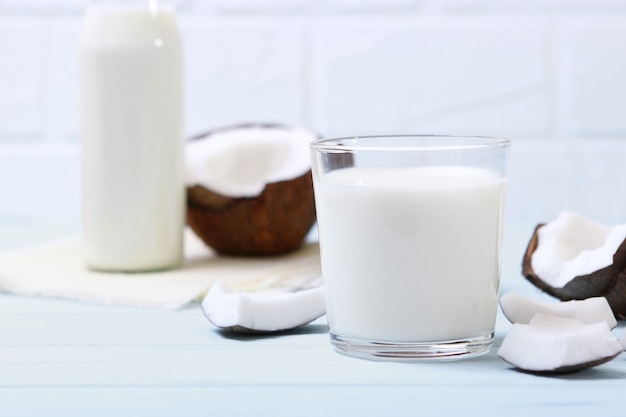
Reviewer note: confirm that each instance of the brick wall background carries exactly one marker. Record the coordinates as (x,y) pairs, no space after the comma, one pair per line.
(548,74)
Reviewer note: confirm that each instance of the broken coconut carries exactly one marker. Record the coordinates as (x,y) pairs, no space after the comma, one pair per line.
(574,258)
(520,309)
(264,310)
(550,344)
(249,188)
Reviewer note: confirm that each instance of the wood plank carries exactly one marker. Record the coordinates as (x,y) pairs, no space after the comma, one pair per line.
(314,401)
(309,361)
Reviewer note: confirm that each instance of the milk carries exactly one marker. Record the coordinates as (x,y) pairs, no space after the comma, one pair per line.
(410,254)
(133,197)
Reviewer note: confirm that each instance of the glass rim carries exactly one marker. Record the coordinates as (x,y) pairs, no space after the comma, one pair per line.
(438,143)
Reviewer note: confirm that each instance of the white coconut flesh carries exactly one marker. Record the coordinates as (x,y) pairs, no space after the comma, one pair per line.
(520,309)
(571,246)
(263,309)
(240,162)
(549,343)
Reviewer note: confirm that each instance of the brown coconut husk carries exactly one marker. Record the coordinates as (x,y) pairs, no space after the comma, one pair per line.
(273,223)
(609,282)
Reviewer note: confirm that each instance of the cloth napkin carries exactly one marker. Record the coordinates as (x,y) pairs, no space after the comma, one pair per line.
(57,269)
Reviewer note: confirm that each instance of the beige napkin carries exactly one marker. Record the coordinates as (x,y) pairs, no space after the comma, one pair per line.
(57,270)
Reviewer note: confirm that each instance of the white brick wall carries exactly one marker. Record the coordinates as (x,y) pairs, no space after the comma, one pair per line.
(21,82)
(241,69)
(594,65)
(476,75)
(549,74)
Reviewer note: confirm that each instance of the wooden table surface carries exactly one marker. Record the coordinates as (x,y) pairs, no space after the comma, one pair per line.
(65,358)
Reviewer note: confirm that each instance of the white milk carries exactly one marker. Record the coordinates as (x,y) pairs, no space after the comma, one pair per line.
(132,138)
(410,254)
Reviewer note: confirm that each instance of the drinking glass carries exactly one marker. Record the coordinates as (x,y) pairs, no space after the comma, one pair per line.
(410,231)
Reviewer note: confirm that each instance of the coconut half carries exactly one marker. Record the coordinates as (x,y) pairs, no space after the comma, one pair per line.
(264,311)
(249,188)
(520,309)
(574,258)
(550,344)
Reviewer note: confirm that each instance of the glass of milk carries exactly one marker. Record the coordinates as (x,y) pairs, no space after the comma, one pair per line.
(410,231)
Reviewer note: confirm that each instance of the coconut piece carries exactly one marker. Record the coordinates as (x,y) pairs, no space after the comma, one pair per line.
(573,258)
(520,309)
(239,161)
(262,311)
(550,344)
(249,189)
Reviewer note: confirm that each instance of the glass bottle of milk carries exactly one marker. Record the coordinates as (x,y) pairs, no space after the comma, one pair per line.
(133,195)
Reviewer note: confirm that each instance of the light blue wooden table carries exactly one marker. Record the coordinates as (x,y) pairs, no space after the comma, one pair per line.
(63,358)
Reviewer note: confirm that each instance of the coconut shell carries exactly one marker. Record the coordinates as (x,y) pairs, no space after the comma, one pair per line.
(272,223)
(609,282)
